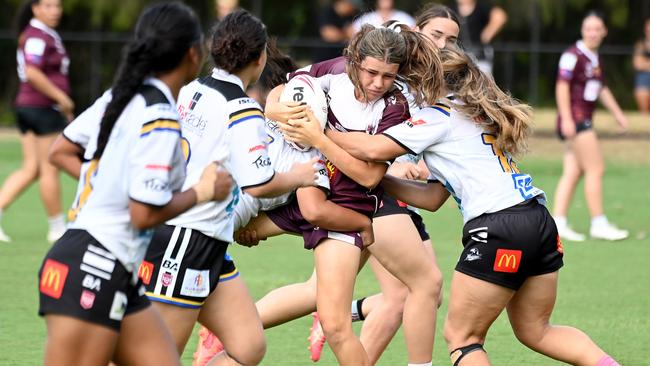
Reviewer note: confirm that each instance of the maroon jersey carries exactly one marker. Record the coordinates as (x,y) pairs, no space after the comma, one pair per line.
(40,46)
(346,113)
(582,69)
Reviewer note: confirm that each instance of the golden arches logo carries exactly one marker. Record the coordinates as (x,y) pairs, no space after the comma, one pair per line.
(507,260)
(53,278)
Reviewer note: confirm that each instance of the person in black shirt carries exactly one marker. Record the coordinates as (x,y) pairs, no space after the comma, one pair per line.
(480,23)
(334,27)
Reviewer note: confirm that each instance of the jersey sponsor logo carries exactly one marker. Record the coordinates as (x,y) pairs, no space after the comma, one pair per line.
(53,278)
(191,121)
(196,283)
(331,169)
(195,99)
(118,308)
(261,162)
(411,123)
(155,184)
(145,271)
(170,265)
(87,299)
(91,282)
(524,183)
(507,261)
(167,279)
(473,255)
(257,148)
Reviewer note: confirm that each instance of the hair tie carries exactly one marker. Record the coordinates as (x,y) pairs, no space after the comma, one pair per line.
(395,26)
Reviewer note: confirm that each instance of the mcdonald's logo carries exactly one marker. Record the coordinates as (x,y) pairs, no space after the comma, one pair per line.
(145,272)
(507,260)
(53,278)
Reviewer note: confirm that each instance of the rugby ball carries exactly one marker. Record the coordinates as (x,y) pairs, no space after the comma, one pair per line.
(303,88)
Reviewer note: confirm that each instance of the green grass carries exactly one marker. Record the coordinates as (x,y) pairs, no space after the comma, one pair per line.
(604,287)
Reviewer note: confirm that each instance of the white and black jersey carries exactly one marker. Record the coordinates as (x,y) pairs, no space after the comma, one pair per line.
(464,158)
(142,161)
(284,157)
(221,123)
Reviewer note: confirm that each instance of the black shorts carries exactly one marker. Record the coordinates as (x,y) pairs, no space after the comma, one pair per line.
(82,279)
(508,246)
(42,121)
(183,266)
(391,206)
(584,125)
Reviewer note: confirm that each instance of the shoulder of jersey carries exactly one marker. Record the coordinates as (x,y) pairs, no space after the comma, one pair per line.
(157,106)
(438,110)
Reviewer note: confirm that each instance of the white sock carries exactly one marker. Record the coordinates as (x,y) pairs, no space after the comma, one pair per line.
(421,364)
(57,223)
(599,220)
(560,220)
(355,313)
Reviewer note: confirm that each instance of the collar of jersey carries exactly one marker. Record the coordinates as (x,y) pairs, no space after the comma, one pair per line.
(224,75)
(162,87)
(40,25)
(593,57)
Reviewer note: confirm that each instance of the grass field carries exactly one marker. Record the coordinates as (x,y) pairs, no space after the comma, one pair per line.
(604,287)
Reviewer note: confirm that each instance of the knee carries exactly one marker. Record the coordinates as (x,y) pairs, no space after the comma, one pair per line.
(251,354)
(430,283)
(529,336)
(336,328)
(31,171)
(456,338)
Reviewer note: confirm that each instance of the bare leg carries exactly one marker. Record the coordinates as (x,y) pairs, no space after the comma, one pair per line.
(642,97)
(529,311)
(287,303)
(229,312)
(145,341)
(20,179)
(408,261)
(179,322)
(385,312)
(473,306)
(590,158)
(566,186)
(71,341)
(336,265)
(50,185)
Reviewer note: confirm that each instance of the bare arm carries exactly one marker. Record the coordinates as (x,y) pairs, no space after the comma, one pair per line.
(498,18)
(215,184)
(66,156)
(429,196)
(300,175)
(563,100)
(367,147)
(608,100)
(639,62)
(321,212)
(332,34)
(40,82)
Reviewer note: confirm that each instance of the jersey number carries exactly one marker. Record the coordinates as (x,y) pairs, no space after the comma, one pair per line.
(85,192)
(507,164)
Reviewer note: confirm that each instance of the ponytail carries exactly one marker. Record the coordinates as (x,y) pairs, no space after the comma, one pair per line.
(483,101)
(163,35)
(24,15)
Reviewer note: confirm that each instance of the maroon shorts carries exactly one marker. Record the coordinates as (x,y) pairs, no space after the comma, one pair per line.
(289,218)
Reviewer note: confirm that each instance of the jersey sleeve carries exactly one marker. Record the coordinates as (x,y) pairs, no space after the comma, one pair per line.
(395,112)
(426,128)
(567,64)
(154,161)
(248,142)
(87,123)
(34,51)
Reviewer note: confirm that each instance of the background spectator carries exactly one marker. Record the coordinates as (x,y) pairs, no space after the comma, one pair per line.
(225,7)
(642,67)
(335,27)
(43,107)
(480,23)
(580,83)
(384,11)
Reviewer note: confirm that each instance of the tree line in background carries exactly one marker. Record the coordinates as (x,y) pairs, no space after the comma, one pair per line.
(557,22)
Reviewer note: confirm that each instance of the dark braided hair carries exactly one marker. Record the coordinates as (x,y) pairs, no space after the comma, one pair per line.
(24,15)
(163,34)
(237,40)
